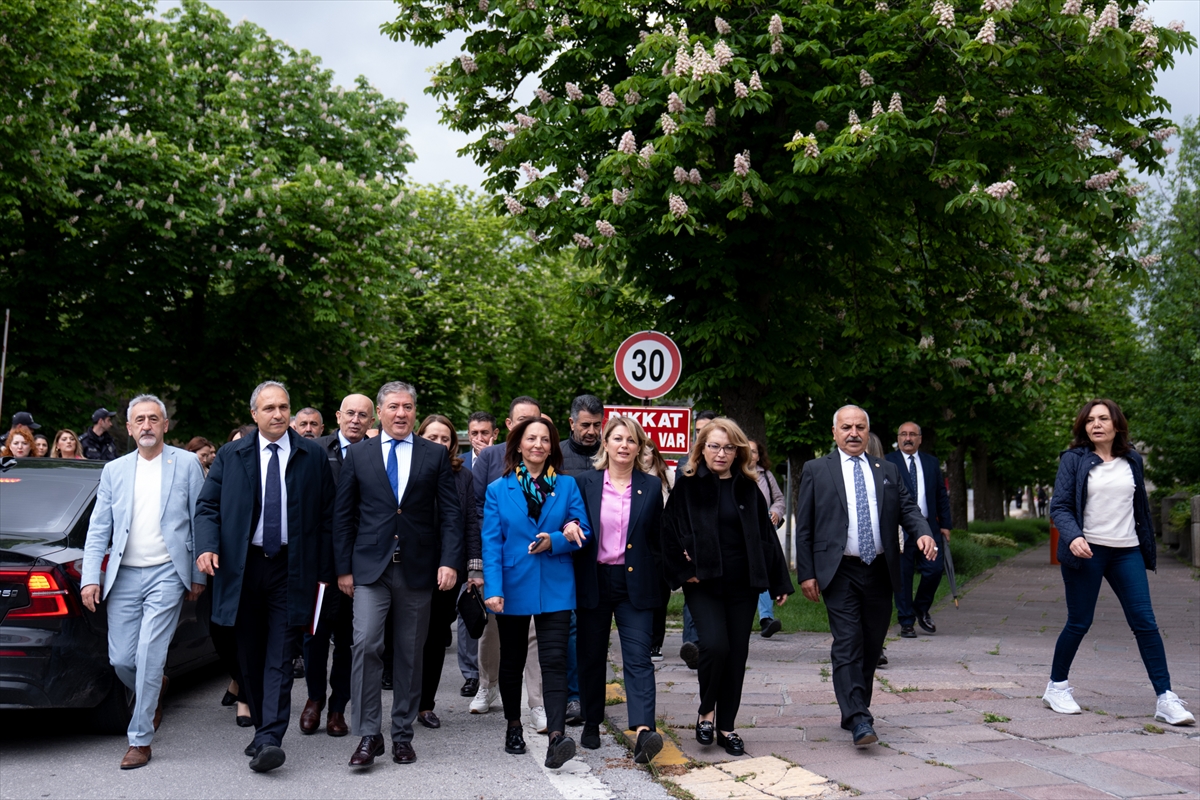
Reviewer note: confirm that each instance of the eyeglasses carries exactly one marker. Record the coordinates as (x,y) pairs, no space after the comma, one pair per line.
(728,449)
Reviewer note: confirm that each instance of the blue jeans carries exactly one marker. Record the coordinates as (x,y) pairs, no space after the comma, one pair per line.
(1125,572)
(764,606)
(689,628)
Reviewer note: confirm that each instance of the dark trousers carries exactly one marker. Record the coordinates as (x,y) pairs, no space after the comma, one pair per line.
(659,632)
(553,629)
(635,627)
(912,561)
(723,616)
(265,645)
(443,611)
(859,603)
(337,623)
(1125,572)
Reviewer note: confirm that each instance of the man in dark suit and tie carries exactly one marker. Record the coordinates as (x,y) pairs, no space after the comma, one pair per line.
(923,479)
(397,533)
(262,531)
(337,621)
(847,546)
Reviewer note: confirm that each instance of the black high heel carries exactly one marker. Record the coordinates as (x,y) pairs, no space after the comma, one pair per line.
(705,732)
(229,699)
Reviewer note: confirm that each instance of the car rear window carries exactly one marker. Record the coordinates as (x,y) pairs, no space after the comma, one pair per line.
(38,503)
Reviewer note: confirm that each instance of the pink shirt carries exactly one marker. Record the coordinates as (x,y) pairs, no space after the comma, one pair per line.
(614,521)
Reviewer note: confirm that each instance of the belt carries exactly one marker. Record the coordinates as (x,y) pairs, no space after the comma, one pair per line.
(396,557)
(256,551)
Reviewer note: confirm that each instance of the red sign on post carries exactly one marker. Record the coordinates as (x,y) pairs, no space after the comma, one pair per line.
(669,428)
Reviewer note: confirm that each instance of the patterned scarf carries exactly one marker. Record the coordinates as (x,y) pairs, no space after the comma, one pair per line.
(535,489)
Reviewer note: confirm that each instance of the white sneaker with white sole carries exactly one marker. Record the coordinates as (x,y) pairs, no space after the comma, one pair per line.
(1170,709)
(1058,698)
(484,698)
(539,718)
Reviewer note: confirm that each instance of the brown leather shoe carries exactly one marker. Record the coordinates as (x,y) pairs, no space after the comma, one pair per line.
(403,753)
(429,719)
(159,711)
(368,749)
(136,757)
(336,724)
(310,717)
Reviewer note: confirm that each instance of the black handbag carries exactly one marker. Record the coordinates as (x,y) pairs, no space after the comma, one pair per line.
(474,613)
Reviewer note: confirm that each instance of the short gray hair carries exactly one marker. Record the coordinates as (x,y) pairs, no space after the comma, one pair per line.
(309,410)
(258,390)
(145,398)
(586,402)
(909,422)
(395,387)
(857,408)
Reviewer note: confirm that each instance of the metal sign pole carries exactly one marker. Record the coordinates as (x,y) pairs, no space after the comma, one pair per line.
(4,360)
(787,514)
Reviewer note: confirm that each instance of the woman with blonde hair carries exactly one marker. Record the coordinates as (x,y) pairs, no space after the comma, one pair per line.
(719,544)
(66,445)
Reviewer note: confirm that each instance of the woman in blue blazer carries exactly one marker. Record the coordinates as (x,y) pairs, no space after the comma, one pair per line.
(533,520)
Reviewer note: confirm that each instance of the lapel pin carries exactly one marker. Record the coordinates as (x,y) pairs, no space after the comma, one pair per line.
(553,494)
(639,491)
(876,463)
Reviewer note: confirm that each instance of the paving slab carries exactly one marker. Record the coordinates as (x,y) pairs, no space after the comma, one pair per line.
(1009,775)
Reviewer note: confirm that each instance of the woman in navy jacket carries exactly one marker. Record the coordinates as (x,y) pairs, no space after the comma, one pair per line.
(1103,517)
(533,520)
(619,573)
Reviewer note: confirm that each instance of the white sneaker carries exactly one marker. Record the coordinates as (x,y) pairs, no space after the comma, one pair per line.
(1171,710)
(484,698)
(539,718)
(1058,697)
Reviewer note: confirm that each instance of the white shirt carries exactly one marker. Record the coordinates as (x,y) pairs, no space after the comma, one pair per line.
(145,546)
(1108,513)
(852,502)
(264,461)
(922,502)
(404,448)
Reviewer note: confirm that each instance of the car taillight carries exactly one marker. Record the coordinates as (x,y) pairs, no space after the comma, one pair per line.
(47,597)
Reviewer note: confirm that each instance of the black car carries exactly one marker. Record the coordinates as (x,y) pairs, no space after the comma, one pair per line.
(53,651)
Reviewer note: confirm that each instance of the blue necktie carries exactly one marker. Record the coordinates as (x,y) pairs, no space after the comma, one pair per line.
(272,506)
(912,476)
(393,470)
(866,542)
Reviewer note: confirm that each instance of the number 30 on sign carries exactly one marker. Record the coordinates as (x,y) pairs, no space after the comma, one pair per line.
(647,365)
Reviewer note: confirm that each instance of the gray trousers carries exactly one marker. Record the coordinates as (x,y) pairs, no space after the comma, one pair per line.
(468,648)
(143,608)
(410,624)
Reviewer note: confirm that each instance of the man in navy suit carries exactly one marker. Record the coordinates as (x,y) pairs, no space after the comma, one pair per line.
(262,533)
(482,432)
(397,533)
(923,479)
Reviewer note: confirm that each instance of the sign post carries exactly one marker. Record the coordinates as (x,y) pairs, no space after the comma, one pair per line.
(648,365)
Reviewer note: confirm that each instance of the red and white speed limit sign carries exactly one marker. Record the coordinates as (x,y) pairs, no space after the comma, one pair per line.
(648,365)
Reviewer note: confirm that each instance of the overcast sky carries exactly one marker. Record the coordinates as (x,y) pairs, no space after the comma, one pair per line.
(345,35)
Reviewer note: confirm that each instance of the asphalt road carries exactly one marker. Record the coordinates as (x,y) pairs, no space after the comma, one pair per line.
(197,753)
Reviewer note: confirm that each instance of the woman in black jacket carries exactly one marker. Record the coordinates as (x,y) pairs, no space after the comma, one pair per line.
(1102,514)
(444,610)
(618,572)
(719,544)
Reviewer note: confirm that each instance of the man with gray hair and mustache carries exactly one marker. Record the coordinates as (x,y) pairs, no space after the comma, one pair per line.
(847,547)
(143,512)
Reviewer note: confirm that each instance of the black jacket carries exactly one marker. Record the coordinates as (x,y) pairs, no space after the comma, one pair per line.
(643,542)
(227,513)
(464,482)
(577,459)
(1070,498)
(98,448)
(690,525)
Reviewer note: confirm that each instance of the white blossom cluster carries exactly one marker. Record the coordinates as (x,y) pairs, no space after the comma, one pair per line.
(865,79)
(668,125)
(722,26)
(606,229)
(944,12)
(525,121)
(1004,113)
(513,206)
(628,144)
(755,82)
(1150,260)
(704,64)
(990,6)
(775,28)
(606,97)
(1101,181)
(1176,25)
(881,7)
(1162,134)
(1109,18)
(741,163)
(747,200)
(685,176)
(632,98)
(674,104)
(1071,7)
(581,241)
(895,106)
(1001,190)
(722,53)
(619,196)
(678,208)
(544,96)
(940,106)
(468,63)
(740,90)
(573,92)
(532,173)
(987,34)
(710,117)
(876,109)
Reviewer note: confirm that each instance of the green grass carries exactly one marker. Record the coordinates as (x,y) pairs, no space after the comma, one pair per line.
(990,717)
(972,556)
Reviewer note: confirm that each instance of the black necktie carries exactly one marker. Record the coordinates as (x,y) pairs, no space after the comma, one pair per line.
(912,476)
(272,506)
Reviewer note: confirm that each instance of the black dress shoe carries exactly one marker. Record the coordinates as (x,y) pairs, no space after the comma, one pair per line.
(514,740)
(883,662)
(864,735)
(298,667)
(590,739)
(690,654)
(704,732)
(772,627)
(267,758)
(926,622)
(403,753)
(368,749)
(386,680)
(560,751)
(251,750)
(732,743)
(907,632)
(429,719)
(649,744)
(470,688)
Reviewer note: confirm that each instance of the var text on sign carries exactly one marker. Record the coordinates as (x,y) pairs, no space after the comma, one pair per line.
(667,427)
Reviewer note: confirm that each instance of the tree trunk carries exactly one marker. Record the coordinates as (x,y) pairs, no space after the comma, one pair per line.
(956,472)
(989,493)
(740,402)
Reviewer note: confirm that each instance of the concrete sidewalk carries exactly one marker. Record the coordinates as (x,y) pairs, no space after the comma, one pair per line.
(959,712)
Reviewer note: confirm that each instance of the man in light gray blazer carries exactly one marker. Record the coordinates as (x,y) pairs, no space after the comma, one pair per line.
(143,519)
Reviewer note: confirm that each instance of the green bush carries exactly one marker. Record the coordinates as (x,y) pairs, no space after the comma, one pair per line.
(1023,531)
(992,540)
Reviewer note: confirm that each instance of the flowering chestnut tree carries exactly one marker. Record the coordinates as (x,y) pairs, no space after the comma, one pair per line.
(792,189)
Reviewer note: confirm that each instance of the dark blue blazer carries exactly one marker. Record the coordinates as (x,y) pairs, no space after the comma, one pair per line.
(937,499)
(227,513)
(643,542)
(1070,498)
(426,526)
